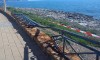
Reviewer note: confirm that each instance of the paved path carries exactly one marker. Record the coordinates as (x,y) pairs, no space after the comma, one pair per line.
(15,44)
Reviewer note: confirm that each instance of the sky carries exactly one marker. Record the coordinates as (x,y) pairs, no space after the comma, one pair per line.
(56,0)
(34,0)
(62,0)
(46,0)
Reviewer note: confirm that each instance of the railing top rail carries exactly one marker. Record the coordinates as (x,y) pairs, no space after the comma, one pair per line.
(64,32)
(71,33)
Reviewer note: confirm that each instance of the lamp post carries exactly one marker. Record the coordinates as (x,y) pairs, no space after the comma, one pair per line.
(4,5)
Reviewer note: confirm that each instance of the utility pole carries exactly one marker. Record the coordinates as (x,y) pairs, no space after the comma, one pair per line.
(4,5)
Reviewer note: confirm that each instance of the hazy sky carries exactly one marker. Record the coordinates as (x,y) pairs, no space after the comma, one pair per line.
(46,0)
(61,0)
(33,0)
(37,0)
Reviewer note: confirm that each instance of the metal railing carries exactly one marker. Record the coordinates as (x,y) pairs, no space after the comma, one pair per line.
(64,38)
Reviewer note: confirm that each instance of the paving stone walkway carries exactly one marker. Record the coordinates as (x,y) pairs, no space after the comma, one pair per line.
(15,44)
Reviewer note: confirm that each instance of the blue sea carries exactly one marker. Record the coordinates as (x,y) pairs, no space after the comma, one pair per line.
(88,7)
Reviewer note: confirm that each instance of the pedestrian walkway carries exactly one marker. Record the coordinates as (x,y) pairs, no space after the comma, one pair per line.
(15,44)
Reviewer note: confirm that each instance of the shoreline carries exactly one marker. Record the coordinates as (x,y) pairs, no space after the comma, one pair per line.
(98,19)
(87,23)
(61,6)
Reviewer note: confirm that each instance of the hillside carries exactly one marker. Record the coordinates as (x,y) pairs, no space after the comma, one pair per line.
(47,21)
(76,20)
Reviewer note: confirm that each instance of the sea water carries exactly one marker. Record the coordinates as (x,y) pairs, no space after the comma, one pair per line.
(88,7)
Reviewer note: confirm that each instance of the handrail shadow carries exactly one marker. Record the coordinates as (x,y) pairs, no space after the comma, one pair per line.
(26,52)
(30,43)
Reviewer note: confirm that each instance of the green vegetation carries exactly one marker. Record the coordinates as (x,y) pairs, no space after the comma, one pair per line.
(45,21)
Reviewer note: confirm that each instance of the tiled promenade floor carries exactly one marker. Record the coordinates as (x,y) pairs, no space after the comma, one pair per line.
(15,44)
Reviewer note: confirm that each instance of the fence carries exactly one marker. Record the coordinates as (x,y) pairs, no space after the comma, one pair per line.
(65,40)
